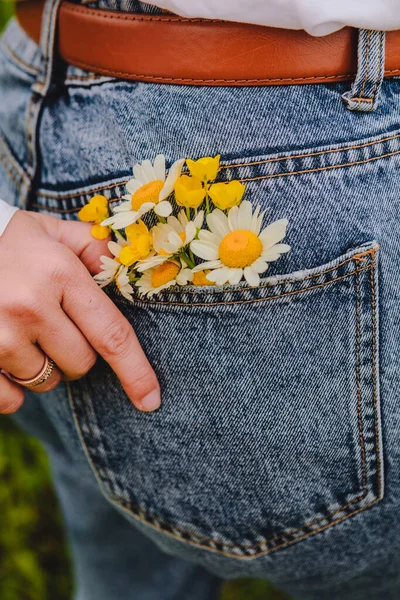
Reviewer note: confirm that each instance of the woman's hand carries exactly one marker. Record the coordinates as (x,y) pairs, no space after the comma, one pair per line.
(49,304)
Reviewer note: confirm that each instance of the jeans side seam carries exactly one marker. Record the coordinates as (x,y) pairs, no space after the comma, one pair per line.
(358,380)
(11,165)
(374,388)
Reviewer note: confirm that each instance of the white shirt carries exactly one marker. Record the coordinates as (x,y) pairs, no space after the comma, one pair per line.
(318,17)
(6,212)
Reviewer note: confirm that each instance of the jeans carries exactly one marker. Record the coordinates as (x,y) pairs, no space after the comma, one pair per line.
(275,451)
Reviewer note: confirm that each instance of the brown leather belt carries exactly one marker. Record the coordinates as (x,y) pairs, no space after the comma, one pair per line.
(170,49)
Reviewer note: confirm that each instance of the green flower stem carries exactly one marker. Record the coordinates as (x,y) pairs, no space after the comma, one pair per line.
(188,213)
(189,260)
(207,202)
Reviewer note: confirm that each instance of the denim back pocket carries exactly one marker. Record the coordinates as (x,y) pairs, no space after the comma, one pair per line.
(269,429)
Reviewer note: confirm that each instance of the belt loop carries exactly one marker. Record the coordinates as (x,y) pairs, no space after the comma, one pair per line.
(48,46)
(40,90)
(364,94)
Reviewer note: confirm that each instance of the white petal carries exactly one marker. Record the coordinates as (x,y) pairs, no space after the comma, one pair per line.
(151,262)
(219,276)
(271,254)
(254,221)
(102,282)
(106,267)
(114,248)
(199,219)
(204,250)
(184,276)
(260,220)
(176,224)
(163,209)
(233,218)
(259,266)
(108,262)
(251,276)
(126,293)
(207,236)
(274,233)
(139,175)
(148,170)
(123,207)
(182,220)
(245,215)
(211,264)
(174,241)
(190,232)
(173,175)
(159,167)
(133,185)
(282,248)
(145,208)
(218,223)
(121,220)
(235,275)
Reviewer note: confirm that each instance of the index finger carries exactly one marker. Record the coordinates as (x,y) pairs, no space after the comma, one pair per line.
(112,336)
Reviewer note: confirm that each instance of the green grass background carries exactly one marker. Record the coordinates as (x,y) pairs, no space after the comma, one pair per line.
(34,558)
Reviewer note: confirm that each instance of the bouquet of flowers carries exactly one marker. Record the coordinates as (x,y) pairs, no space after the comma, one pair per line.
(214,237)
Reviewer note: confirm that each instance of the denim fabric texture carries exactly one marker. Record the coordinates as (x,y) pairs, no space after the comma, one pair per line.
(275,453)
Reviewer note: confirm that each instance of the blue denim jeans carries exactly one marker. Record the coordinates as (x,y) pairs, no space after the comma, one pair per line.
(275,453)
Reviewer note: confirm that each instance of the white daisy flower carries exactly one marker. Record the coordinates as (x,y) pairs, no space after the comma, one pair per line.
(122,282)
(170,237)
(148,190)
(163,276)
(110,266)
(235,247)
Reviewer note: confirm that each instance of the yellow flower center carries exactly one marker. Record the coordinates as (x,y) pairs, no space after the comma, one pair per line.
(164,273)
(149,192)
(182,235)
(240,249)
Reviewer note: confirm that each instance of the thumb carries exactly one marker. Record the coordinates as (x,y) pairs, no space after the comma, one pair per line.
(77,237)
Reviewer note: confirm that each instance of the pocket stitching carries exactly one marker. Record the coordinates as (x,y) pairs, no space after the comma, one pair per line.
(355,257)
(255,300)
(328,152)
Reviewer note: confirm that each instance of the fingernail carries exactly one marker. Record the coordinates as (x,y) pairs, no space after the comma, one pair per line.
(150,402)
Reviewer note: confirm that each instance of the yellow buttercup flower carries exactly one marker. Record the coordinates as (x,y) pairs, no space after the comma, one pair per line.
(227,195)
(140,243)
(99,232)
(205,169)
(200,278)
(189,192)
(96,212)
